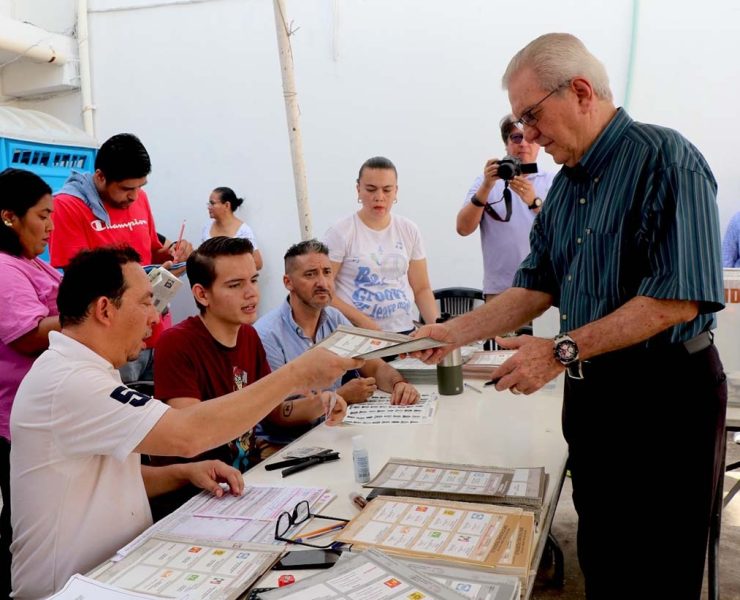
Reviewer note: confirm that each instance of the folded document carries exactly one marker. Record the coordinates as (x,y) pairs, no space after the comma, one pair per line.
(355,342)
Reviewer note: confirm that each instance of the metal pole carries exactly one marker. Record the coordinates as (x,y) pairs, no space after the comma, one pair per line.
(85,82)
(294,127)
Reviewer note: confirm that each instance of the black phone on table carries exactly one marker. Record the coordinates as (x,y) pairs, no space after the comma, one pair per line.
(308,559)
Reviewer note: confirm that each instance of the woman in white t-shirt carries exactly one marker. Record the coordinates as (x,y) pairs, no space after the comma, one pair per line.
(221,206)
(378,259)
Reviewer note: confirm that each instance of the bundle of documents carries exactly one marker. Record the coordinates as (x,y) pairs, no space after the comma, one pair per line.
(471,583)
(368,575)
(498,538)
(355,342)
(164,287)
(194,569)
(415,371)
(469,483)
(480,364)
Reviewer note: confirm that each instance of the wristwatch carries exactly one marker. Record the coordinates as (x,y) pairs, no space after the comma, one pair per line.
(536,203)
(565,349)
(476,202)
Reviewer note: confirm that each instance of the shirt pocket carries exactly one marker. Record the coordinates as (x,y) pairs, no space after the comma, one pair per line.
(599,265)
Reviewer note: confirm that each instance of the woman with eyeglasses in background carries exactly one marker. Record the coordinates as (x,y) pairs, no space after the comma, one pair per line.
(222,204)
(29,312)
(378,259)
(504,225)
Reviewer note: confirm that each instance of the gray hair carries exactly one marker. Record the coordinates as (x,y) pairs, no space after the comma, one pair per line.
(312,246)
(557,58)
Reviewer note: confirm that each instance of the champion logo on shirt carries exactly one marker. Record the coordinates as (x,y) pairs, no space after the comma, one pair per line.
(99,225)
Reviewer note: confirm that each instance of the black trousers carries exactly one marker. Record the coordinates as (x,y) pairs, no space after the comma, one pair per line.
(645,433)
(6,532)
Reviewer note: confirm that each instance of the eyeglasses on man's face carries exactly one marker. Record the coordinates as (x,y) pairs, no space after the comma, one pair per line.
(300,514)
(528,117)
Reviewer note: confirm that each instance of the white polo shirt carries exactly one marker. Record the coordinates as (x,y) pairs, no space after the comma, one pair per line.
(77,493)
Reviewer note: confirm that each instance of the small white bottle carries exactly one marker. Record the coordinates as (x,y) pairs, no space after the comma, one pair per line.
(360,459)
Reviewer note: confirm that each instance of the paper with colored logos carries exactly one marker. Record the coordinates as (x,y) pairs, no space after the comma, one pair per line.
(356,342)
(192,570)
(371,575)
(485,535)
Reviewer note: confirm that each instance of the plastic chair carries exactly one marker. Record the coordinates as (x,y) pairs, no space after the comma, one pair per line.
(459,300)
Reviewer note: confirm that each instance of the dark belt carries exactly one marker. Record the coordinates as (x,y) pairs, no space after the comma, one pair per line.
(692,346)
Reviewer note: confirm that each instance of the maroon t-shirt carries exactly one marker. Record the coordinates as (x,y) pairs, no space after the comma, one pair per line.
(189,362)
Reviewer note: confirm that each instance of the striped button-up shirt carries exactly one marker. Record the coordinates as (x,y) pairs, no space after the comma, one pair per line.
(637,216)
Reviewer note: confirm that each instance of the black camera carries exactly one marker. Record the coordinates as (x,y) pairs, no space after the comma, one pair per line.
(510,166)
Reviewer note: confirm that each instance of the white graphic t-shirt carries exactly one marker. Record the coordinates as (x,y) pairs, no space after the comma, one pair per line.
(374,273)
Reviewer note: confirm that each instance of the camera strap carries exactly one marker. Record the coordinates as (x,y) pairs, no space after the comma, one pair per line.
(507,202)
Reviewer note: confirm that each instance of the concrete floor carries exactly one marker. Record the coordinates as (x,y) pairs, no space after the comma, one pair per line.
(564,528)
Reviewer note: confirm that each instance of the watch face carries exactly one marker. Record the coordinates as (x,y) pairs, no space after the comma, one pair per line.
(567,351)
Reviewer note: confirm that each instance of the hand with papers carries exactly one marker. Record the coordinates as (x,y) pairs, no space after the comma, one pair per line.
(318,368)
(442,332)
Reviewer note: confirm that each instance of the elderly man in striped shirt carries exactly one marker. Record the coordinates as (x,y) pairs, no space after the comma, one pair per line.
(627,246)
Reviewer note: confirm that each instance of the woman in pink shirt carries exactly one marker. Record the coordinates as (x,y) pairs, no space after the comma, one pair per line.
(28,295)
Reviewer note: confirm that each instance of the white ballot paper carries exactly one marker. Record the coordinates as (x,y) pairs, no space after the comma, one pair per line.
(194,569)
(79,587)
(355,342)
(246,518)
(371,575)
(470,583)
(378,410)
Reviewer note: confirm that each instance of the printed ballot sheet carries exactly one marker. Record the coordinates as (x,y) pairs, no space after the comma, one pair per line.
(370,575)
(378,410)
(248,518)
(469,583)
(79,587)
(524,485)
(188,569)
(498,537)
(355,342)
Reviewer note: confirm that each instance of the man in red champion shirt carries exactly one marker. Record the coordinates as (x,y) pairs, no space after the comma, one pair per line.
(109,207)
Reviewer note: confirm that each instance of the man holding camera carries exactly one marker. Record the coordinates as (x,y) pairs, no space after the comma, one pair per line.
(505,222)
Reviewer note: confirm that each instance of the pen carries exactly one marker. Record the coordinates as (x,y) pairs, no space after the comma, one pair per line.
(179,237)
(296,461)
(318,532)
(472,387)
(493,381)
(309,463)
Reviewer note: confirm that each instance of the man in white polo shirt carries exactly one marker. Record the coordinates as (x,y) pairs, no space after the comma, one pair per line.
(79,491)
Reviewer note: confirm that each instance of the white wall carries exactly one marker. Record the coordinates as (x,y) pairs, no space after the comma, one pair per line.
(417,81)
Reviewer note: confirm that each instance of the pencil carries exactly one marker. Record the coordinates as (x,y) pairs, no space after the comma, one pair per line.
(179,237)
(472,387)
(319,532)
